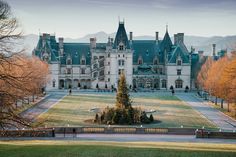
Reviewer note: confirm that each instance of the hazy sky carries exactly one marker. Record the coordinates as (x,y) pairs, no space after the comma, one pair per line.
(76,18)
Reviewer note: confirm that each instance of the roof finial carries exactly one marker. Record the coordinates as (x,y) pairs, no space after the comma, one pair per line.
(167,27)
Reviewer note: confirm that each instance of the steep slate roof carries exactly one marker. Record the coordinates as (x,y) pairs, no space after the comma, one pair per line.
(121,36)
(144,48)
(76,51)
(166,43)
(178,51)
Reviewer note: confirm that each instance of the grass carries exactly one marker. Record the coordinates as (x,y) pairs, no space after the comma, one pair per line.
(171,112)
(113,149)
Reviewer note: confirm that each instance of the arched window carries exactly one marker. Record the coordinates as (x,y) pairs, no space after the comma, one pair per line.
(179,84)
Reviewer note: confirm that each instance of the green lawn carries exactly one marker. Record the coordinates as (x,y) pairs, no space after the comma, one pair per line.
(113,149)
(171,112)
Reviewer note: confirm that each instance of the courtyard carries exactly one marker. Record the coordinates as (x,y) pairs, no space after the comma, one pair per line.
(75,110)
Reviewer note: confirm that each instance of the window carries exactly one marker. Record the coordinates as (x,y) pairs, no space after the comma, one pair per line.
(108,72)
(101,73)
(69,71)
(179,62)
(178,84)
(120,71)
(68,61)
(121,62)
(108,79)
(121,47)
(178,72)
(108,55)
(163,83)
(155,62)
(140,61)
(53,83)
(108,63)
(161,71)
(83,62)
(95,66)
(119,56)
(83,71)
(123,55)
(155,70)
(101,63)
(95,75)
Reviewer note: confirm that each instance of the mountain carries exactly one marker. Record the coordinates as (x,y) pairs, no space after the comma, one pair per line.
(198,42)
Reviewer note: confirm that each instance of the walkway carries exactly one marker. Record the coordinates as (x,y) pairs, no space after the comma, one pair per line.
(214,115)
(43,106)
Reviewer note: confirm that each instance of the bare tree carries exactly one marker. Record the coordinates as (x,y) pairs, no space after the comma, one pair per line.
(20,76)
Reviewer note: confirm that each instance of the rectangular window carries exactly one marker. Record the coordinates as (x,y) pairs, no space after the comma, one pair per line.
(83,62)
(53,83)
(120,71)
(82,71)
(179,62)
(68,71)
(178,72)
(161,71)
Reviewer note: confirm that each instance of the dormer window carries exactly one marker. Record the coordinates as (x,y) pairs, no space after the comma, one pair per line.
(179,62)
(155,61)
(140,60)
(121,46)
(69,62)
(83,62)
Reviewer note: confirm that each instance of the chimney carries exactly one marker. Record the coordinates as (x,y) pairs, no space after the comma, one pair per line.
(214,49)
(157,36)
(61,40)
(179,37)
(200,53)
(92,43)
(130,36)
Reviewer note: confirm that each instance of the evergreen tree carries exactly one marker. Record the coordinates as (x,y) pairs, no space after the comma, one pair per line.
(122,96)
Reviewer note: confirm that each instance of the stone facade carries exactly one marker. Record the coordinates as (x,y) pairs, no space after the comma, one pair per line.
(153,64)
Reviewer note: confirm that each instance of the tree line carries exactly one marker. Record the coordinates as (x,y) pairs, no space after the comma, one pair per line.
(218,78)
(21,76)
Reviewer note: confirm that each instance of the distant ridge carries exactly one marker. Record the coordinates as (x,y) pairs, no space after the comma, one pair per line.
(198,42)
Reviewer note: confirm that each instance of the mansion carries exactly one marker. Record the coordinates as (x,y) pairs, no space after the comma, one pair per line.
(153,64)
